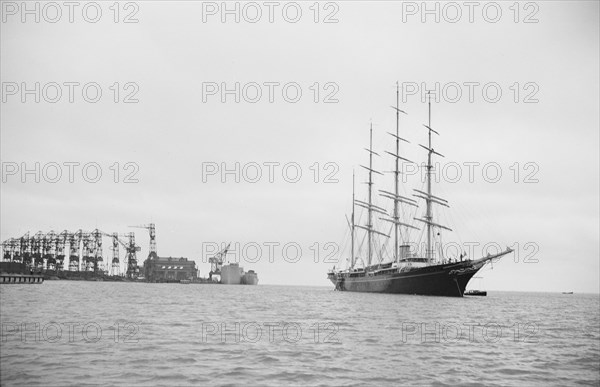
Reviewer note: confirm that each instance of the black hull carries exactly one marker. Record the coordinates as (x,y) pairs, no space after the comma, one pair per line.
(449,280)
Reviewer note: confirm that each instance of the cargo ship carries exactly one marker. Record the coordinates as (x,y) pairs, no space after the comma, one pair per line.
(230,274)
(407,272)
(250,278)
(233,274)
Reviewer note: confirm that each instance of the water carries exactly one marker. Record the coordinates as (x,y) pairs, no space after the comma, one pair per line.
(170,334)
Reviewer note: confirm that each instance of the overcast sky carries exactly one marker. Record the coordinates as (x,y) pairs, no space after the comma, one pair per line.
(528,108)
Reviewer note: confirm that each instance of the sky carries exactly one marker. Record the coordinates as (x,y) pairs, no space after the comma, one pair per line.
(243,123)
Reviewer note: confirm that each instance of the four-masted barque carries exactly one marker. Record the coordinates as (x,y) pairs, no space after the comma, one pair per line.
(408,272)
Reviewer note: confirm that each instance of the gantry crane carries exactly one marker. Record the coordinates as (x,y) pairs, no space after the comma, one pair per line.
(97,259)
(150,227)
(26,249)
(87,263)
(74,249)
(48,251)
(115,264)
(17,249)
(130,249)
(8,246)
(24,254)
(37,242)
(49,247)
(61,241)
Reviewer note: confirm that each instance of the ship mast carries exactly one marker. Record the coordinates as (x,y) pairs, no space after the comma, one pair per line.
(370,209)
(353,199)
(369,205)
(428,196)
(396,196)
(428,214)
(396,173)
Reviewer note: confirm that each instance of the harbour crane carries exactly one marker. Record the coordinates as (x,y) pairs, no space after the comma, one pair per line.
(9,246)
(74,249)
(130,248)
(97,250)
(87,263)
(61,241)
(37,242)
(216,262)
(49,250)
(151,228)
(115,253)
(17,249)
(26,249)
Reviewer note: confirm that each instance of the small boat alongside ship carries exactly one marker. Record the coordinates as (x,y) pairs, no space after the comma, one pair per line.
(407,272)
(475,293)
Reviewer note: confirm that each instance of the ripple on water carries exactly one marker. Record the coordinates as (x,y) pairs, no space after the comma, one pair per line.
(362,339)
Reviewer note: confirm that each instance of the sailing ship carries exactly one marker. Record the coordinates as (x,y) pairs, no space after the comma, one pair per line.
(407,272)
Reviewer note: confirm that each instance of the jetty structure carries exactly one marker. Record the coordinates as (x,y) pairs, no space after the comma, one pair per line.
(73,254)
(79,255)
(18,273)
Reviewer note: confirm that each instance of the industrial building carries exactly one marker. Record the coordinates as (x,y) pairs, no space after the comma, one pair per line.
(166,269)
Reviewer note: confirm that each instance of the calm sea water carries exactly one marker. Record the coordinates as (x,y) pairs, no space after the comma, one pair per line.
(92,333)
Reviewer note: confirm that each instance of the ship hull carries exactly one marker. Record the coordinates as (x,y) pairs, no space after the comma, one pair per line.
(250,279)
(231,275)
(449,280)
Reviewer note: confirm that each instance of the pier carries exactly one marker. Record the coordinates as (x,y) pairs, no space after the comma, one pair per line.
(21,278)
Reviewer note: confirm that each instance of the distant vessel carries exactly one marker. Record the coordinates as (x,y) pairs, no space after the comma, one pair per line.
(407,273)
(250,278)
(230,274)
(567,292)
(233,274)
(475,293)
